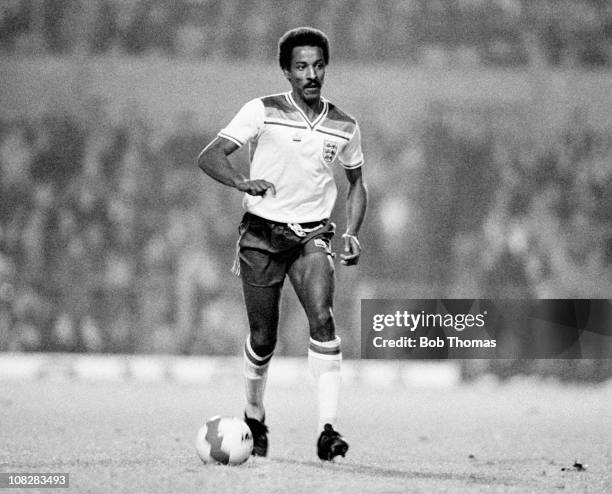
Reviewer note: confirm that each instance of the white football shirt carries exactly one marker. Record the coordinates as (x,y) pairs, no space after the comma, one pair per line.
(295,154)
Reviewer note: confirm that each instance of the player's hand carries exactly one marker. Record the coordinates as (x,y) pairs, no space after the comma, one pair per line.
(352,250)
(256,187)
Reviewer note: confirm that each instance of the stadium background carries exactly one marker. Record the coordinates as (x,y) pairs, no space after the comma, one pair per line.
(486,124)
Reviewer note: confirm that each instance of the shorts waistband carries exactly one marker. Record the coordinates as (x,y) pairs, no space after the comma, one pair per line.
(310,224)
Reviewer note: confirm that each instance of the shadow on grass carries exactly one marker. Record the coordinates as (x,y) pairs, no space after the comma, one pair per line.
(392,473)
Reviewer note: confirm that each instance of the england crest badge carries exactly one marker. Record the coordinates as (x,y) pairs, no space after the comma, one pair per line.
(330,149)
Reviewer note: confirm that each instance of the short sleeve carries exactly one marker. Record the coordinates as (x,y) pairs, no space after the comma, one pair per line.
(246,124)
(351,155)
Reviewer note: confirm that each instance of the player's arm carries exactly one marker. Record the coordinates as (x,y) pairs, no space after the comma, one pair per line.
(213,160)
(356,204)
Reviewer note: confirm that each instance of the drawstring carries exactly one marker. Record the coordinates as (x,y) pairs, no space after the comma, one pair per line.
(302,232)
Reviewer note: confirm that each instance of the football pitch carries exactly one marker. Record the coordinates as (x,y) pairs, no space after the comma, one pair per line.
(128,435)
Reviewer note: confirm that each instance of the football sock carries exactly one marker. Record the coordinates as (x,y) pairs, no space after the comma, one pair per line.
(255,377)
(324,361)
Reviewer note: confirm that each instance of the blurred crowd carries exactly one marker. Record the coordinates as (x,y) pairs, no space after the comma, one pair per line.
(104,244)
(109,240)
(112,240)
(482,204)
(499,32)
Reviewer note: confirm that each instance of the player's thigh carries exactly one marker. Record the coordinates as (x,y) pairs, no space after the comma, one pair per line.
(312,277)
(262,306)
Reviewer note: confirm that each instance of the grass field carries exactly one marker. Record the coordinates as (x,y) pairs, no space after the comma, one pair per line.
(128,435)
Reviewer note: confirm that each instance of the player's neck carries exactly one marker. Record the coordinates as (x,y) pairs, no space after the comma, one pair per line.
(311,109)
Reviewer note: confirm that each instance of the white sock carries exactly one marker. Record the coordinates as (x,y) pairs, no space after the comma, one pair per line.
(255,377)
(324,362)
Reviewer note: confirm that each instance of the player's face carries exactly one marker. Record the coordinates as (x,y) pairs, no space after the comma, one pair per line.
(306,73)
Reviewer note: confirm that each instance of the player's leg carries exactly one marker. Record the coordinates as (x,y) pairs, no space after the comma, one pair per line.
(262,272)
(312,276)
(262,304)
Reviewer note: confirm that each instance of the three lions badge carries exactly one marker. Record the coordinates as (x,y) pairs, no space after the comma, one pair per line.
(330,149)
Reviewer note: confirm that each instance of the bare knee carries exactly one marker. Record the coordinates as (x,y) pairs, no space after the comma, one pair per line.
(263,333)
(322,327)
(262,312)
(263,342)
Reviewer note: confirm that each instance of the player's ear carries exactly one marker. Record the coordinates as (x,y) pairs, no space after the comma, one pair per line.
(287,74)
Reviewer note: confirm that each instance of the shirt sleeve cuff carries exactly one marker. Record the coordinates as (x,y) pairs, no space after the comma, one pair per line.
(235,140)
(353,166)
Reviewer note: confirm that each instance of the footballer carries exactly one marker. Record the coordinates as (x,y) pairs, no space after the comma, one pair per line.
(294,138)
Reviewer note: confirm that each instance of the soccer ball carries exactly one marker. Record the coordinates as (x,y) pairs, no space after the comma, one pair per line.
(225,440)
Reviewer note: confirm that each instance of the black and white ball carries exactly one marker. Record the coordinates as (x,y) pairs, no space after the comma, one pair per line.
(226,440)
